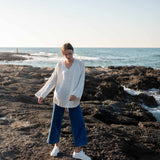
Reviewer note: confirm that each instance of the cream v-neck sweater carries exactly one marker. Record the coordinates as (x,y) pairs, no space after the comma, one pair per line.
(66,82)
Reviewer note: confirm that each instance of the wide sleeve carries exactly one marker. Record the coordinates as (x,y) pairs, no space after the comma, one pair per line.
(49,85)
(79,88)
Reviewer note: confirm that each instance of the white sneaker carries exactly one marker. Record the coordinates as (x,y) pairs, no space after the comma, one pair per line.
(81,155)
(55,151)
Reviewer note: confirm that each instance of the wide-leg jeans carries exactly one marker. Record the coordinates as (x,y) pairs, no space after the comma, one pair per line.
(77,124)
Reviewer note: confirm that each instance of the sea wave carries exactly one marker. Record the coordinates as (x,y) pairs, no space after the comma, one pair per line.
(86,57)
(151,92)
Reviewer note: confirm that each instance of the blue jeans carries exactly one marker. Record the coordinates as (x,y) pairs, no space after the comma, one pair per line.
(77,124)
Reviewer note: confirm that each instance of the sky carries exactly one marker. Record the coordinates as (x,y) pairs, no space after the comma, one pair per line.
(83,23)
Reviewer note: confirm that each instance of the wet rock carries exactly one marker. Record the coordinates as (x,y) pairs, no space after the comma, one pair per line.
(147,100)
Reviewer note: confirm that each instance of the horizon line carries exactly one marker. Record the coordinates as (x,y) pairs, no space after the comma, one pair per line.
(80,47)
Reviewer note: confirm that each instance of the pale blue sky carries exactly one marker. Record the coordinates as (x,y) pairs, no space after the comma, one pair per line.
(84,23)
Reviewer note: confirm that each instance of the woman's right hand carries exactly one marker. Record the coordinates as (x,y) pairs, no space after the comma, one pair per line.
(40,100)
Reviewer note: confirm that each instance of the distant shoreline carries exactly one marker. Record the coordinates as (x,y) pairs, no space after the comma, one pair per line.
(12,56)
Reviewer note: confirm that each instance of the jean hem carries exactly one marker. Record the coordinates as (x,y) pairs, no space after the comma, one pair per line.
(52,142)
(79,145)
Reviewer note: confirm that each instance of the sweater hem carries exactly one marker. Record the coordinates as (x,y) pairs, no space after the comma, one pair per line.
(64,106)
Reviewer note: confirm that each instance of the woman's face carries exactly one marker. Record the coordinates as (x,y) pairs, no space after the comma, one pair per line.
(68,54)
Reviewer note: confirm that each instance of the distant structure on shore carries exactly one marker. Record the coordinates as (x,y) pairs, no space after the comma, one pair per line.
(16,50)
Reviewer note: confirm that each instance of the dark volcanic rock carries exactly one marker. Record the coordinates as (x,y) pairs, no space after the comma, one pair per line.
(137,77)
(101,87)
(147,100)
(108,89)
(117,125)
(26,99)
(155,125)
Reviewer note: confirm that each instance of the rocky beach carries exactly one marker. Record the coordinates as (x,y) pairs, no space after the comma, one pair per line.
(13,56)
(118,127)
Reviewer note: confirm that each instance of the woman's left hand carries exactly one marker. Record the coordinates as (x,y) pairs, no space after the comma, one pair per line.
(72,98)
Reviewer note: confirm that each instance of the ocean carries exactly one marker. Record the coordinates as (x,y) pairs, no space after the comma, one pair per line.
(104,57)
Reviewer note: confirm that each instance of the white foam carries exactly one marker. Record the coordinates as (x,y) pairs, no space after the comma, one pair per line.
(42,54)
(154,90)
(86,58)
(155,111)
(115,58)
(131,91)
(55,57)
(44,57)
(151,92)
(3,118)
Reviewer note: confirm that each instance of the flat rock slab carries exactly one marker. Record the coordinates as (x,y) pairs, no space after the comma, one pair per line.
(11,56)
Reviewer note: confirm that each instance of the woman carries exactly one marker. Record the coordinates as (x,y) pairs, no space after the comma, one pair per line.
(68,81)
